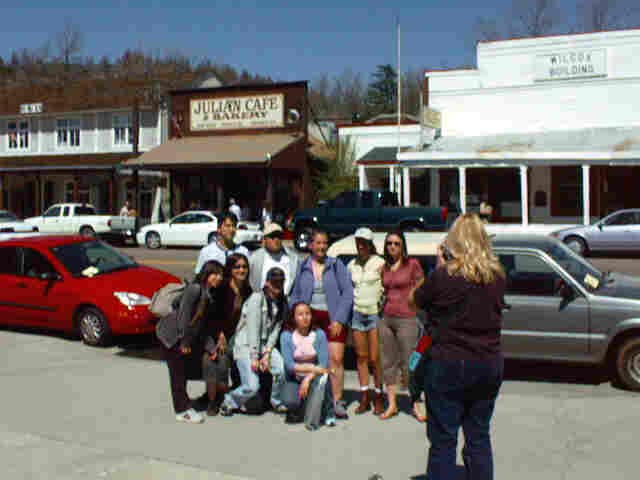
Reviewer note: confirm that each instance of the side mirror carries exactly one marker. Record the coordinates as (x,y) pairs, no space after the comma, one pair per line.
(51,276)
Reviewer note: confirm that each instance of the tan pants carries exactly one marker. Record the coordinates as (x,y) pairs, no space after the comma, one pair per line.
(398,337)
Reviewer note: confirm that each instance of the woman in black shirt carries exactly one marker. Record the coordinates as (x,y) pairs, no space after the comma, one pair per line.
(463,374)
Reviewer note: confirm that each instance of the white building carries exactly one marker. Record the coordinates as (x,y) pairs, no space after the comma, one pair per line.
(53,150)
(553,120)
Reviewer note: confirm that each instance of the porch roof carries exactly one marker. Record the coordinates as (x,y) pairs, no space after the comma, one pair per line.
(593,146)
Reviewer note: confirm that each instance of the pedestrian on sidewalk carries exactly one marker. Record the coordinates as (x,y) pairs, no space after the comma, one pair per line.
(366,275)
(255,342)
(191,349)
(399,324)
(235,209)
(306,359)
(223,245)
(464,297)
(324,283)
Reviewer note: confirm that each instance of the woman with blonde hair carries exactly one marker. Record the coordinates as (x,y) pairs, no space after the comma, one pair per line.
(463,375)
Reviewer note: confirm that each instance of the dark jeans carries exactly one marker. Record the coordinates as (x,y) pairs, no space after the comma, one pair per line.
(461,393)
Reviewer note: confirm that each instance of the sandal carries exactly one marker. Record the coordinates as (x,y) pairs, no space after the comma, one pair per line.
(417,415)
(388,414)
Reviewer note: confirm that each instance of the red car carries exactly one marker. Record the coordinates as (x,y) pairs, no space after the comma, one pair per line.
(76,284)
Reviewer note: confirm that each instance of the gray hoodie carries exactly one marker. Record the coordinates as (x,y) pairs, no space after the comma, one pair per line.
(256,331)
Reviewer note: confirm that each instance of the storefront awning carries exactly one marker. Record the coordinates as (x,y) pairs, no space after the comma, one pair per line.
(52,163)
(593,146)
(213,150)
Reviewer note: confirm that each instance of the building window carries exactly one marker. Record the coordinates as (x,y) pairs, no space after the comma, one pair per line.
(68,132)
(122,130)
(18,134)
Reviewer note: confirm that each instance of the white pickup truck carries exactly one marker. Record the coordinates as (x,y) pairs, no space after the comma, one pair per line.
(81,218)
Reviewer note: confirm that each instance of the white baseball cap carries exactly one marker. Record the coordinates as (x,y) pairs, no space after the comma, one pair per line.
(364,233)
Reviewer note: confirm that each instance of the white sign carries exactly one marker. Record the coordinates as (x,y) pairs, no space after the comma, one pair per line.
(432,118)
(257,111)
(26,108)
(571,64)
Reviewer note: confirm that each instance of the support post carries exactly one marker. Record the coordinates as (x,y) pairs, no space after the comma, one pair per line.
(434,188)
(586,195)
(392,179)
(524,195)
(362,178)
(462,185)
(406,186)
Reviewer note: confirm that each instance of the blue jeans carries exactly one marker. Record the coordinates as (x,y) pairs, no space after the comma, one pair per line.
(250,382)
(461,393)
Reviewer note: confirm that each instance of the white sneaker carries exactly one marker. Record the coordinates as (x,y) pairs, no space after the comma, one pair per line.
(190,416)
(330,421)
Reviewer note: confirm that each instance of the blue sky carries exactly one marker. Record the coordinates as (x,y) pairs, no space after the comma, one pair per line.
(282,39)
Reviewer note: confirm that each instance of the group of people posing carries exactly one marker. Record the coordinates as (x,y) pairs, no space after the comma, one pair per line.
(284,319)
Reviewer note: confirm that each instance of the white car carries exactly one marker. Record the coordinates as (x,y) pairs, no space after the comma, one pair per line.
(194,228)
(9,223)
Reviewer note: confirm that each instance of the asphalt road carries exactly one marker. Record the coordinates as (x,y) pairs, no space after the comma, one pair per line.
(75,412)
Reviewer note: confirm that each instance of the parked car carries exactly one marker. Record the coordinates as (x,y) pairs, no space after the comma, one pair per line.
(617,232)
(81,218)
(194,228)
(379,210)
(561,307)
(10,223)
(76,284)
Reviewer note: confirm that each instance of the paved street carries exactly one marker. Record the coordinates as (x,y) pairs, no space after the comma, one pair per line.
(75,412)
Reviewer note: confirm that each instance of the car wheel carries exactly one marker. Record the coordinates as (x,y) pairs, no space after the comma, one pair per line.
(87,232)
(628,364)
(302,240)
(152,240)
(577,244)
(93,327)
(211,238)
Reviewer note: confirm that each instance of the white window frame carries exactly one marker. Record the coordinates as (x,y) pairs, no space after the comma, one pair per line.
(121,129)
(69,130)
(22,135)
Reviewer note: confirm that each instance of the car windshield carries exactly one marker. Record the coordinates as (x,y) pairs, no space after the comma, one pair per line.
(91,258)
(581,270)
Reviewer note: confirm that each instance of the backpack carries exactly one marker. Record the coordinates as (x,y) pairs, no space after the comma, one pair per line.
(166,299)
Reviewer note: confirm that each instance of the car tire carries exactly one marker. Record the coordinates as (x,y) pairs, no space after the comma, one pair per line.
(302,239)
(93,327)
(87,231)
(211,238)
(627,364)
(152,240)
(577,244)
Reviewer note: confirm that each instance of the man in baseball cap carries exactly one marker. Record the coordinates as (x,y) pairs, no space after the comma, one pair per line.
(272,254)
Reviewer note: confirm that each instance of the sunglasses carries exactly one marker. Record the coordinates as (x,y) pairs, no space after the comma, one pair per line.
(240,266)
(394,243)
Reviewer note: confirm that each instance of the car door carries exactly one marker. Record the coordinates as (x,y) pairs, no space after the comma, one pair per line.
(11,312)
(541,322)
(615,232)
(201,227)
(51,220)
(43,293)
(176,232)
(633,243)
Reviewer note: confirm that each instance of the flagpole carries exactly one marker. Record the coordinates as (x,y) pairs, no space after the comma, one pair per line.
(399,94)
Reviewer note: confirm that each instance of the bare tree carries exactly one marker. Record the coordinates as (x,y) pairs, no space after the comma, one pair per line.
(598,15)
(69,42)
(487,30)
(533,18)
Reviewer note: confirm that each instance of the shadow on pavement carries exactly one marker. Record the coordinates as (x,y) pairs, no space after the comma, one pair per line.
(461,474)
(532,371)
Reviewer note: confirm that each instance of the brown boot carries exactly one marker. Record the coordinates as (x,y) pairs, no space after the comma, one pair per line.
(378,404)
(365,402)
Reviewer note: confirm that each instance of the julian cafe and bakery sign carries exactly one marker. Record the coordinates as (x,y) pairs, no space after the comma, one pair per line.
(228,113)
